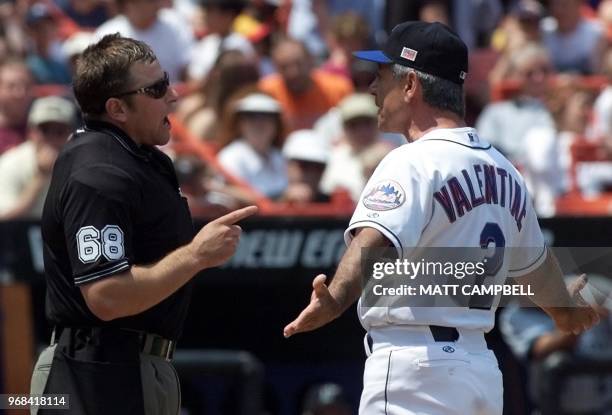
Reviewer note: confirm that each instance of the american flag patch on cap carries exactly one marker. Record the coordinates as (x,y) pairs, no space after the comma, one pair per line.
(409,54)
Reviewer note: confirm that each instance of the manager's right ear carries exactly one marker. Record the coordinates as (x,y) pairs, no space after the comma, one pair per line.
(411,86)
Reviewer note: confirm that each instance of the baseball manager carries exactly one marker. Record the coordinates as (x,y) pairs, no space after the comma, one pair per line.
(448,187)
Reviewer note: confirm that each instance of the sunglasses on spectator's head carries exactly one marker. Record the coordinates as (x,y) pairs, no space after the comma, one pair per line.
(156,90)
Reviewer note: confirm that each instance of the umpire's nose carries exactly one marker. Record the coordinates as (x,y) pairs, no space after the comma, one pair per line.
(172,97)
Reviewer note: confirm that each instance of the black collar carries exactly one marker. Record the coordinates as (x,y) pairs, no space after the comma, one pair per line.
(119,135)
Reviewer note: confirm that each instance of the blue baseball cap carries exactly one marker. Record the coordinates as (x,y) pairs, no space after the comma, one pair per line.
(431,48)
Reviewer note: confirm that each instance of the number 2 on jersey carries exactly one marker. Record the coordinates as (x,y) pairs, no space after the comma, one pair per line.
(491,235)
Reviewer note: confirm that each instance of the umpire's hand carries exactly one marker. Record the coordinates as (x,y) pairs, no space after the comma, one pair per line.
(217,241)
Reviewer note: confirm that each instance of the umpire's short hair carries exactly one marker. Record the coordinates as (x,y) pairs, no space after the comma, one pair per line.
(437,92)
(103,70)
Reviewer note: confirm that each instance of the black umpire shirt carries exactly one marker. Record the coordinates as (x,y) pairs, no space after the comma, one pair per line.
(111,204)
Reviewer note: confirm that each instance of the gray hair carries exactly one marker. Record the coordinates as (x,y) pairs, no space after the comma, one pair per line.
(437,92)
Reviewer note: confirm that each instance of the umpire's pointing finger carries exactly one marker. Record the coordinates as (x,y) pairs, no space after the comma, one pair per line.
(237,215)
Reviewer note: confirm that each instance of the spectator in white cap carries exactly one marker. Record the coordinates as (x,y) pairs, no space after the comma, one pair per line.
(346,168)
(219,16)
(307,153)
(25,170)
(160,28)
(74,46)
(251,140)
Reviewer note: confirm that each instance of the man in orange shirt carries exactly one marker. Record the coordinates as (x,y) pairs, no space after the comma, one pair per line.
(304,93)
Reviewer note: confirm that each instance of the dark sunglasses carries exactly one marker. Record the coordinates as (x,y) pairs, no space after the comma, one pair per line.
(156,90)
(54,129)
(360,122)
(542,70)
(258,115)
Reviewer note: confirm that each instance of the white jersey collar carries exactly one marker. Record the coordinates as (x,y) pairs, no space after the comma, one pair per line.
(465,136)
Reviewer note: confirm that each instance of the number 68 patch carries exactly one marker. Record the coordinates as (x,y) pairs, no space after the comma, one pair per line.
(91,243)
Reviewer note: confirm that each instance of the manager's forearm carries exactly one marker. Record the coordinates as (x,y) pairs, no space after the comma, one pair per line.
(347,284)
(550,292)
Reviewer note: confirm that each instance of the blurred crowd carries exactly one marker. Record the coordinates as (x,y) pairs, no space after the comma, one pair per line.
(274,109)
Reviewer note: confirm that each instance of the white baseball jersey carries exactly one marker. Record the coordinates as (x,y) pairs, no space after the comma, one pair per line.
(450,188)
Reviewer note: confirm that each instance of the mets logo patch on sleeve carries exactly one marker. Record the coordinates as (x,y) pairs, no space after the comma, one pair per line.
(385,195)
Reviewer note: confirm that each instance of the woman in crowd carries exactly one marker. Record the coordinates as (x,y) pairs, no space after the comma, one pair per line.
(251,141)
(202,110)
(547,159)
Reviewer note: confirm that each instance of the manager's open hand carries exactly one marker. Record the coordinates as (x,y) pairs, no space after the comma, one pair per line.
(322,309)
(217,241)
(581,316)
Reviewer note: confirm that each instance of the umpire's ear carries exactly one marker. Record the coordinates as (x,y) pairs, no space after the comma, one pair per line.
(116,109)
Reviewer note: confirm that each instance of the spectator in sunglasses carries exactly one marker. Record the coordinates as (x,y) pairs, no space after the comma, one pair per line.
(306,152)
(25,170)
(349,163)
